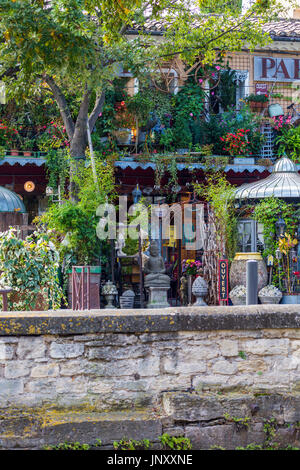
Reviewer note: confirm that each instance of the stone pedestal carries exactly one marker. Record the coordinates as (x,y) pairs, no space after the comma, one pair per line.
(158,297)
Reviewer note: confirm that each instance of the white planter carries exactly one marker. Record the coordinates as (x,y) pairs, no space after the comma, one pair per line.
(238,300)
(123,136)
(244,160)
(264,299)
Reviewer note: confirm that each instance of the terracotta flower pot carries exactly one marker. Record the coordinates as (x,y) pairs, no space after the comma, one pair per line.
(14,152)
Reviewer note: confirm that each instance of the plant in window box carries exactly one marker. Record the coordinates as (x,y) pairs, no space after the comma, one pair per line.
(28,146)
(257,102)
(237,143)
(9,137)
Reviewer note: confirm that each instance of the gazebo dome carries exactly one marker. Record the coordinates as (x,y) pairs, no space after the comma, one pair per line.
(284,182)
(10,201)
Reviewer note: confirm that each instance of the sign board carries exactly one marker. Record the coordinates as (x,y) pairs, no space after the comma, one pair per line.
(270,260)
(223,280)
(276,69)
(261,88)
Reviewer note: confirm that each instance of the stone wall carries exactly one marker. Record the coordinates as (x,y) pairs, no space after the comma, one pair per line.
(217,375)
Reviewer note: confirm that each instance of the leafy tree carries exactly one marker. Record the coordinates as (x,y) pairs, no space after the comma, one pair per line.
(76,46)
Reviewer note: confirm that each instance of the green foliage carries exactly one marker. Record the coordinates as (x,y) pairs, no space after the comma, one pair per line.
(220,195)
(69,446)
(74,222)
(227,89)
(288,142)
(218,126)
(57,167)
(175,443)
(268,212)
(75,231)
(131,444)
(140,105)
(30,267)
(240,422)
(257,98)
(242,354)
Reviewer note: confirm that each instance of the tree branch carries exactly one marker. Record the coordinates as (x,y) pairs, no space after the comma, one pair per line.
(97,110)
(62,104)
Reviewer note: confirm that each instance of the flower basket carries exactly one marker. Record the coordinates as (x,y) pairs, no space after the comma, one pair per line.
(123,136)
(258,106)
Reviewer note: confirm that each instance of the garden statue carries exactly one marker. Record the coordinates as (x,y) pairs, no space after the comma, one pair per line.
(183,290)
(156,281)
(154,269)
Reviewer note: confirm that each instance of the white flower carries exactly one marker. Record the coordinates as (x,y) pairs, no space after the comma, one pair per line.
(238,291)
(270,291)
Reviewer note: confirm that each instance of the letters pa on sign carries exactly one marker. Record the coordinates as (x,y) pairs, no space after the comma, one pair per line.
(276,69)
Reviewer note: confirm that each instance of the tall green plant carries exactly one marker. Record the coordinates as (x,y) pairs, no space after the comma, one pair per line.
(30,267)
(219,194)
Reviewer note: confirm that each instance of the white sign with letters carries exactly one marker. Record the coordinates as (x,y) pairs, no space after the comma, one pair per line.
(276,69)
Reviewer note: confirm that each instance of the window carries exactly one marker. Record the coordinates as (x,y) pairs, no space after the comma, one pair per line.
(250,236)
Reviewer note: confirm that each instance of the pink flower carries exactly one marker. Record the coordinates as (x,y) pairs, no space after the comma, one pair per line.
(218,67)
(200,80)
(191,114)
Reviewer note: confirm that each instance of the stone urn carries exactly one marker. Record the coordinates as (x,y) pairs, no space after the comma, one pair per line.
(199,289)
(109,290)
(237,274)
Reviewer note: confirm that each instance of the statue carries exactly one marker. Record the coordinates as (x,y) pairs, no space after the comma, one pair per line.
(156,281)
(154,269)
(183,290)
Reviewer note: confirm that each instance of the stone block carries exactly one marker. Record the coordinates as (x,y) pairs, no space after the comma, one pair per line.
(11,387)
(224,368)
(6,351)
(87,428)
(31,347)
(266,347)
(66,350)
(229,348)
(45,370)
(15,369)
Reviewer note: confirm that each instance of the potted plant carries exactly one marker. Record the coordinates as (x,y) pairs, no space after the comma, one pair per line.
(238,295)
(125,122)
(191,268)
(257,102)
(270,295)
(286,255)
(28,145)
(237,145)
